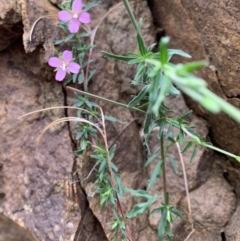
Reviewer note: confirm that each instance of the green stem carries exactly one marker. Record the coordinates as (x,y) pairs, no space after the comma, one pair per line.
(219,150)
(105,99)
(210,146)
(130,13)
(163,169)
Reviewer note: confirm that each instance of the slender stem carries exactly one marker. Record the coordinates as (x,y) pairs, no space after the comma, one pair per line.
(186,184)
(219,150)
(105,99)
(163,168)
(130,13)
(210,146)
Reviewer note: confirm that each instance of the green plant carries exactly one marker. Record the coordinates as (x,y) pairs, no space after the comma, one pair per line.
(157,77)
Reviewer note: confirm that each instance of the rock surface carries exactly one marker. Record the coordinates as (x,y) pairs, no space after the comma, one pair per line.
(10,231)
(32,176)
(32,180)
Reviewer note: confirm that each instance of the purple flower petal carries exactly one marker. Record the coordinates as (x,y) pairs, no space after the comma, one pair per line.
(64,16)
(73,67)
(84,17)
(74,26)
(55,62)
(60,75)
(67,56)
(77,6)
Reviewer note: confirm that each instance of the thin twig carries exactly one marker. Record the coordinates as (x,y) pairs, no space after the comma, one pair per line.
(186,188)
(59,107)
(120,133)
(104,135)
(90,173)
(189,235)
(105,99)
(92,38)
(33,26)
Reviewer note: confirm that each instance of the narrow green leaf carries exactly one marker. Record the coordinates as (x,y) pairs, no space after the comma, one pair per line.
(172,52)
(156,210)
(154,90)
(69,37)
(150,48)
(85,64)
(79,135)
(176,212)
(161,129)
(190,67)
(58,42)
(187,147)
(185,116)
(136,100)
(119,186)
(173,90)
(74,77)
(194,153)
(164,90)
(138,209)
(114,167)
(141,45)
(181,137)
(173,164)
(81,35)
(162,224)
(136,60)
(191,85)
(113,119)
(139,72)
(81,77)
(143,106)
(190,129)
(150,159)
(119,57)
(154,175)
(103,166)
(115,224)
(147,123)
(139,193)
(79,152)
(169,131)
(91,5)
(83,143)
(112,151)
(132,54)
(91,74)
(172,140)
(165,108)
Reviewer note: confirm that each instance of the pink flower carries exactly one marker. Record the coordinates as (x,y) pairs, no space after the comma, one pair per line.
(64,65)
(75,17)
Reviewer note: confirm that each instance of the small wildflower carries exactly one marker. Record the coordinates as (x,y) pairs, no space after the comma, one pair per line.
(75,17)
(64,65)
